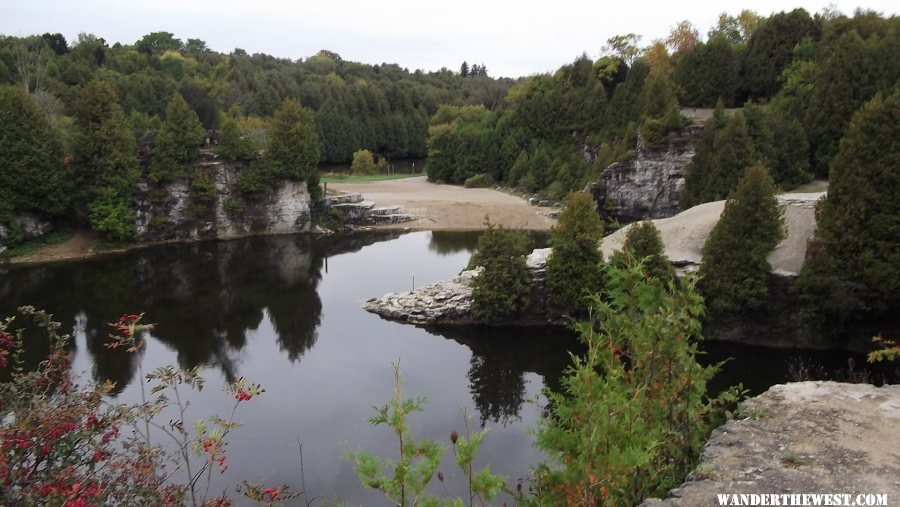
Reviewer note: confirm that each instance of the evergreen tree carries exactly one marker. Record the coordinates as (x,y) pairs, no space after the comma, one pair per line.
(502,289)
(104,163)
(574,268)
(32,175)
(177,143)
(709,72)
(722,155)
(464,69)
(770,50)
(780,142)
(734,273)
(293,149)
(844,81)
(853,266)
(232,145)
(644,244)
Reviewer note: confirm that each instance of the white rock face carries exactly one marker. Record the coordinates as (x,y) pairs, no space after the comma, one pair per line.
(806,437)
(282,210)
(684,234)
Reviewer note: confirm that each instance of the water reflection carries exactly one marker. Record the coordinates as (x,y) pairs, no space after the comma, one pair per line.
(501,358)
(451,242)
(213,293)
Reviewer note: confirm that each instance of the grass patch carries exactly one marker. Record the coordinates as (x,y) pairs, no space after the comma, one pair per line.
(364,178)
(30,246)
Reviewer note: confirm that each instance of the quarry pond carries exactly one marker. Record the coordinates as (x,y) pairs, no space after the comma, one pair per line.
(285,312)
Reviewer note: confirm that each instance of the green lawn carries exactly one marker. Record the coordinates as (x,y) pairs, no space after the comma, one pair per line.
(364,178)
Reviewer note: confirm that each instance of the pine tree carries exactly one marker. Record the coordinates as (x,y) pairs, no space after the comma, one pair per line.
(574,267)
(853,267)
(32,175)
(501,290)
(293,149)
(177,143)
(644,244)
(844,81)
(734,273)
(723,153)
(104,163)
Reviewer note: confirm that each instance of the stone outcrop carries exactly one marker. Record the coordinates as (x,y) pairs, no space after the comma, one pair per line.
(170,212)
(649,183)
(352,209)
(807,437)
(30,226)
(684,234)
(450,301)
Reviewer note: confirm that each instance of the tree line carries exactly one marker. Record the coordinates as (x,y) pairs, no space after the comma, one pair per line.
(796,78)
(82,111)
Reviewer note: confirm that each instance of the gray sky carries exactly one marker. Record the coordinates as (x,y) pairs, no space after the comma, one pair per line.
(511,38)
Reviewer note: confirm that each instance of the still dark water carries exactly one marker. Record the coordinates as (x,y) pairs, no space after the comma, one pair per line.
(285,312)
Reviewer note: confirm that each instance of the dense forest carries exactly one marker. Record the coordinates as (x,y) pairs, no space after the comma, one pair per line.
(789,84)
(785,88)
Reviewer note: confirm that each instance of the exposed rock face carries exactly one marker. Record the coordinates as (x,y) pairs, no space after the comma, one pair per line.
(30,225)
(450,301)
(808,437)
(684,235)
(650,183)
(170,213)
(352,209)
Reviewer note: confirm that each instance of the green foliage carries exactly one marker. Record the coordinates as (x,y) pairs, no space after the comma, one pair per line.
(203,192)
(852,263)
(770,50)
(104,147)
(574,268)
(113,219)
(403,482)
(723,152)
(709,72)
(364,163)
(33,176)
(643,242)
(852,72)
(502,289)
(734,273)
(479,181)
(233,145)
(293,149)
(254,181)
(177,143)
(633,412)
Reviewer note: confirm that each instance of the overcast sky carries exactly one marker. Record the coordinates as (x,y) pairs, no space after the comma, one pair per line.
(511,38)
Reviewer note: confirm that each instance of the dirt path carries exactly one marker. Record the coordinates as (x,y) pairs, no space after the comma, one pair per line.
(449,207)
(79,246)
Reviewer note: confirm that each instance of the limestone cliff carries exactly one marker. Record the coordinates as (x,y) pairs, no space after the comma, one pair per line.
(27,226)
(649,183)
(807,437)
(170,212)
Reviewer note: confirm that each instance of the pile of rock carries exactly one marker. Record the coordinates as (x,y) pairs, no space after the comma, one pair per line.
(450,301)
(445,302)
(353,209)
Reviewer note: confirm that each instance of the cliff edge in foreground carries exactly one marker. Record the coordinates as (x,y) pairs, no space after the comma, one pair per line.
(806,437)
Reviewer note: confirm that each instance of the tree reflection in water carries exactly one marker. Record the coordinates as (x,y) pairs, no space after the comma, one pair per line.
(211,293)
